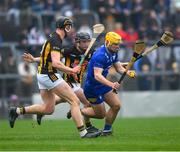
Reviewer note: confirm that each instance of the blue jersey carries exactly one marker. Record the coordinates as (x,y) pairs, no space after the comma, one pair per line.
(104,59)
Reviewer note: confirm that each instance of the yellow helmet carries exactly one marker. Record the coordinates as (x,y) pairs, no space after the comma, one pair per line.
(112,38)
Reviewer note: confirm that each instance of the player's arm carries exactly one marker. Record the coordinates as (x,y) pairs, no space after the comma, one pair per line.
(120,69)
(27,57)
(99,77)
(56,63)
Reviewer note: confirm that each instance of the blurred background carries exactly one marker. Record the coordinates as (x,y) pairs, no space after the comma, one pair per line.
(25,25)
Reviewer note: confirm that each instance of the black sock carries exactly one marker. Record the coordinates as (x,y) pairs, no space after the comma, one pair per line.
(22,110)
(88,124)
(81,128)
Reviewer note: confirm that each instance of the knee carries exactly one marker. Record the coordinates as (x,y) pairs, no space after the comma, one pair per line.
(101,115)
(75,102)
(49,109)
(116,107)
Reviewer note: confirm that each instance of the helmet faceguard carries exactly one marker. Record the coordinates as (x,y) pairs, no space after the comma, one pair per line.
(65,24)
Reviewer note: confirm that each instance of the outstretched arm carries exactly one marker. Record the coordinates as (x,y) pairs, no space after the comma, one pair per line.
(120,69)
(27,57)
(56,63)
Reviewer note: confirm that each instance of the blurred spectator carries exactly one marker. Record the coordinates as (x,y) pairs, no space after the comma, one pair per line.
(132,35)
(119,29)
(176,51)
(153,32)
(144,80)
(158,68)
(14,11)
(1,72)
(26,71)
(50,5)
(137,13)
(124,8)
(35,37)
(112,8)
(142,32)
(14,100)
(100,6)
(10,68)
(175,9)
(174,79)
(60,4)
(1,38)
(162,12)
(37,5)
(67,9)
(23,37)
(47,31)
(177,33)
(1,64)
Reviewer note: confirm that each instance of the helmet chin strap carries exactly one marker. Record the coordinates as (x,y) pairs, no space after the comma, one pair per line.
(65,33)
(78,47)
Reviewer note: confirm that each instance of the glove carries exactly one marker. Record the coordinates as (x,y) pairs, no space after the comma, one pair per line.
(131,73)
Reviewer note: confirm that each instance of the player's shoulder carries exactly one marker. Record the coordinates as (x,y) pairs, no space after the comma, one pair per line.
(100,51)
(68,50)
(54,38)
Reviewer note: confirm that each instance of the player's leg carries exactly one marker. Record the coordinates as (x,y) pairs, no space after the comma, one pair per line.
(39,117)
(97,111)
(66,93)
(45,108)
(86,103)
(114,102)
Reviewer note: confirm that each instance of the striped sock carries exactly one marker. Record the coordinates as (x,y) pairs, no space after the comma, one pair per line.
(82,131)
(20,110)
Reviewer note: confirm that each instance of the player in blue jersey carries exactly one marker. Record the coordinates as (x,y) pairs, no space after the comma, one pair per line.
(97,88)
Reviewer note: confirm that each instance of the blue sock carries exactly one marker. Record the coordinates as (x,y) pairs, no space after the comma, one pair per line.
(107,127)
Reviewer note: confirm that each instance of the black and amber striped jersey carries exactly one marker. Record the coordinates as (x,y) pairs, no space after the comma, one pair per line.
(53,43)
(72,58)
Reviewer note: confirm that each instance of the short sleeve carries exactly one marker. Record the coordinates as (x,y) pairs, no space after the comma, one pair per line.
(99,62)
(55,45)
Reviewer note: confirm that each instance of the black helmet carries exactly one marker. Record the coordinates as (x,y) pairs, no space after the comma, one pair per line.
(63,21)
(82,36)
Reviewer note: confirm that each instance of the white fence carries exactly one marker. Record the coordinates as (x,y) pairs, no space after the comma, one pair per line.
(135,104)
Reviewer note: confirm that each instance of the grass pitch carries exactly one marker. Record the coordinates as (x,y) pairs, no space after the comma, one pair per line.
(61,135)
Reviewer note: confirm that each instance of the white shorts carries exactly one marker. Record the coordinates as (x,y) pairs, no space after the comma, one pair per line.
(75,86)
(44,82)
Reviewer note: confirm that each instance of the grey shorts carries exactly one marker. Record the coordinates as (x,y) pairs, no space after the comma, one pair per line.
(44,82)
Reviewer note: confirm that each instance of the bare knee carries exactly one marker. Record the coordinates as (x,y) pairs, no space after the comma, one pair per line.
(75,101)
(116,107)
(49,109)
(101,115)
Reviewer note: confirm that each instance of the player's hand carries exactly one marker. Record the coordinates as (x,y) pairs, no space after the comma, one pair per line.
(116,85)
(131,73)
(124,64)
(76,69)
(27,57)
(75,77)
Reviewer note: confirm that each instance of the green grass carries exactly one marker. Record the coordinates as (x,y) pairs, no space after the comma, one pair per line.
(129,134)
